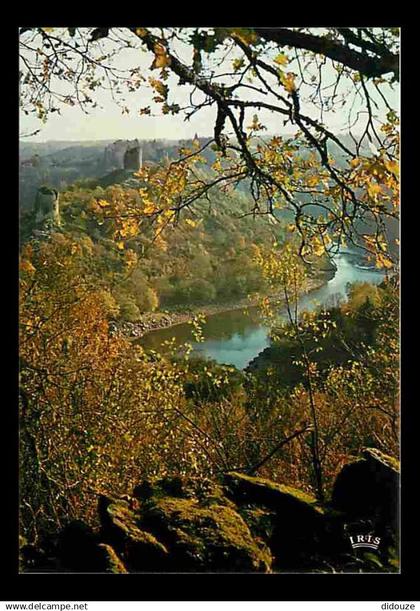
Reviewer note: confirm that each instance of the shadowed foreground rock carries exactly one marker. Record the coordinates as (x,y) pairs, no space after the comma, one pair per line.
(367,492)
(368,487)
(241,524)
(80,549)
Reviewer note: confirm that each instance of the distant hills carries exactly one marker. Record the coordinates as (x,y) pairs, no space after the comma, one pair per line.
(59,163)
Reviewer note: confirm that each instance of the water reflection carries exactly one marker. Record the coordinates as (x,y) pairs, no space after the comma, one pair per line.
(238,336)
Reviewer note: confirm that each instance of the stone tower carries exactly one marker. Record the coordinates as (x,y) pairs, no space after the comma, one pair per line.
(115,152)
(132,158)
(47,205)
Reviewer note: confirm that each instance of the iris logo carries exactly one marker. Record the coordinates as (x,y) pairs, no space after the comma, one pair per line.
(368,541)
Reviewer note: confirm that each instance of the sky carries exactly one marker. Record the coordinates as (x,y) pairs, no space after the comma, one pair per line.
(108,122)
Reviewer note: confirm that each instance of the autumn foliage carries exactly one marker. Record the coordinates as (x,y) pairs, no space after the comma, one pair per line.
(97,412)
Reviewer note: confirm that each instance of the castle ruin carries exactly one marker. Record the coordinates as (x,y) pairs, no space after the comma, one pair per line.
(132,158)
(47,205)
(123,154)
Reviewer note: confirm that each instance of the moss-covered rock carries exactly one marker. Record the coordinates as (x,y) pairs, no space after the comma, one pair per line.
(140,550)
(204,537)
(377,457)
(260,521)
(181,524)
(108,560)
(260,491)
(203,490)
(295,525)
(244,523)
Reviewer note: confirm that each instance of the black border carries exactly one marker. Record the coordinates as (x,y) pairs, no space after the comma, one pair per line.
(213,587)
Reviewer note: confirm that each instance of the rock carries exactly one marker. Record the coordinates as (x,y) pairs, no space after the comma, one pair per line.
(79,549)
(242,523)
(368,488)
(260,491)
(213,538)
(109,560)
(294,525)
(365,502)
(193,524)
(260,521)
(366,492)
(140,550)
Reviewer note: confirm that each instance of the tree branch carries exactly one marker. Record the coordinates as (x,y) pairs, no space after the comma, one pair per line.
(361,62)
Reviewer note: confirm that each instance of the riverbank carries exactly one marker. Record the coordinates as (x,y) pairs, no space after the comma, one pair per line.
(154,321)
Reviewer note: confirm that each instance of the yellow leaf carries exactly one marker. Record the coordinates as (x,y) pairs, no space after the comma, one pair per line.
(169,214)
(149,208)
(160,243)
(313,180)
(162,58)
(120,245)
(191,223)
(141,32)
(281,59)
(373,189)
(383,261)
(237,64)
(393,167)
(288,81)
(318,247)
(130,258)
(26,266)
(160,87)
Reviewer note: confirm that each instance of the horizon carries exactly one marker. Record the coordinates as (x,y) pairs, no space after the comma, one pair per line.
(161,138)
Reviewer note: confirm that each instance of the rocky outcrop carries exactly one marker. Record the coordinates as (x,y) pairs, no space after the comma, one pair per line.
(240,523)
(181,525)
(119,527)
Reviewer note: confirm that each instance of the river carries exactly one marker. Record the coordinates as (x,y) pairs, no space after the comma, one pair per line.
(236,337)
